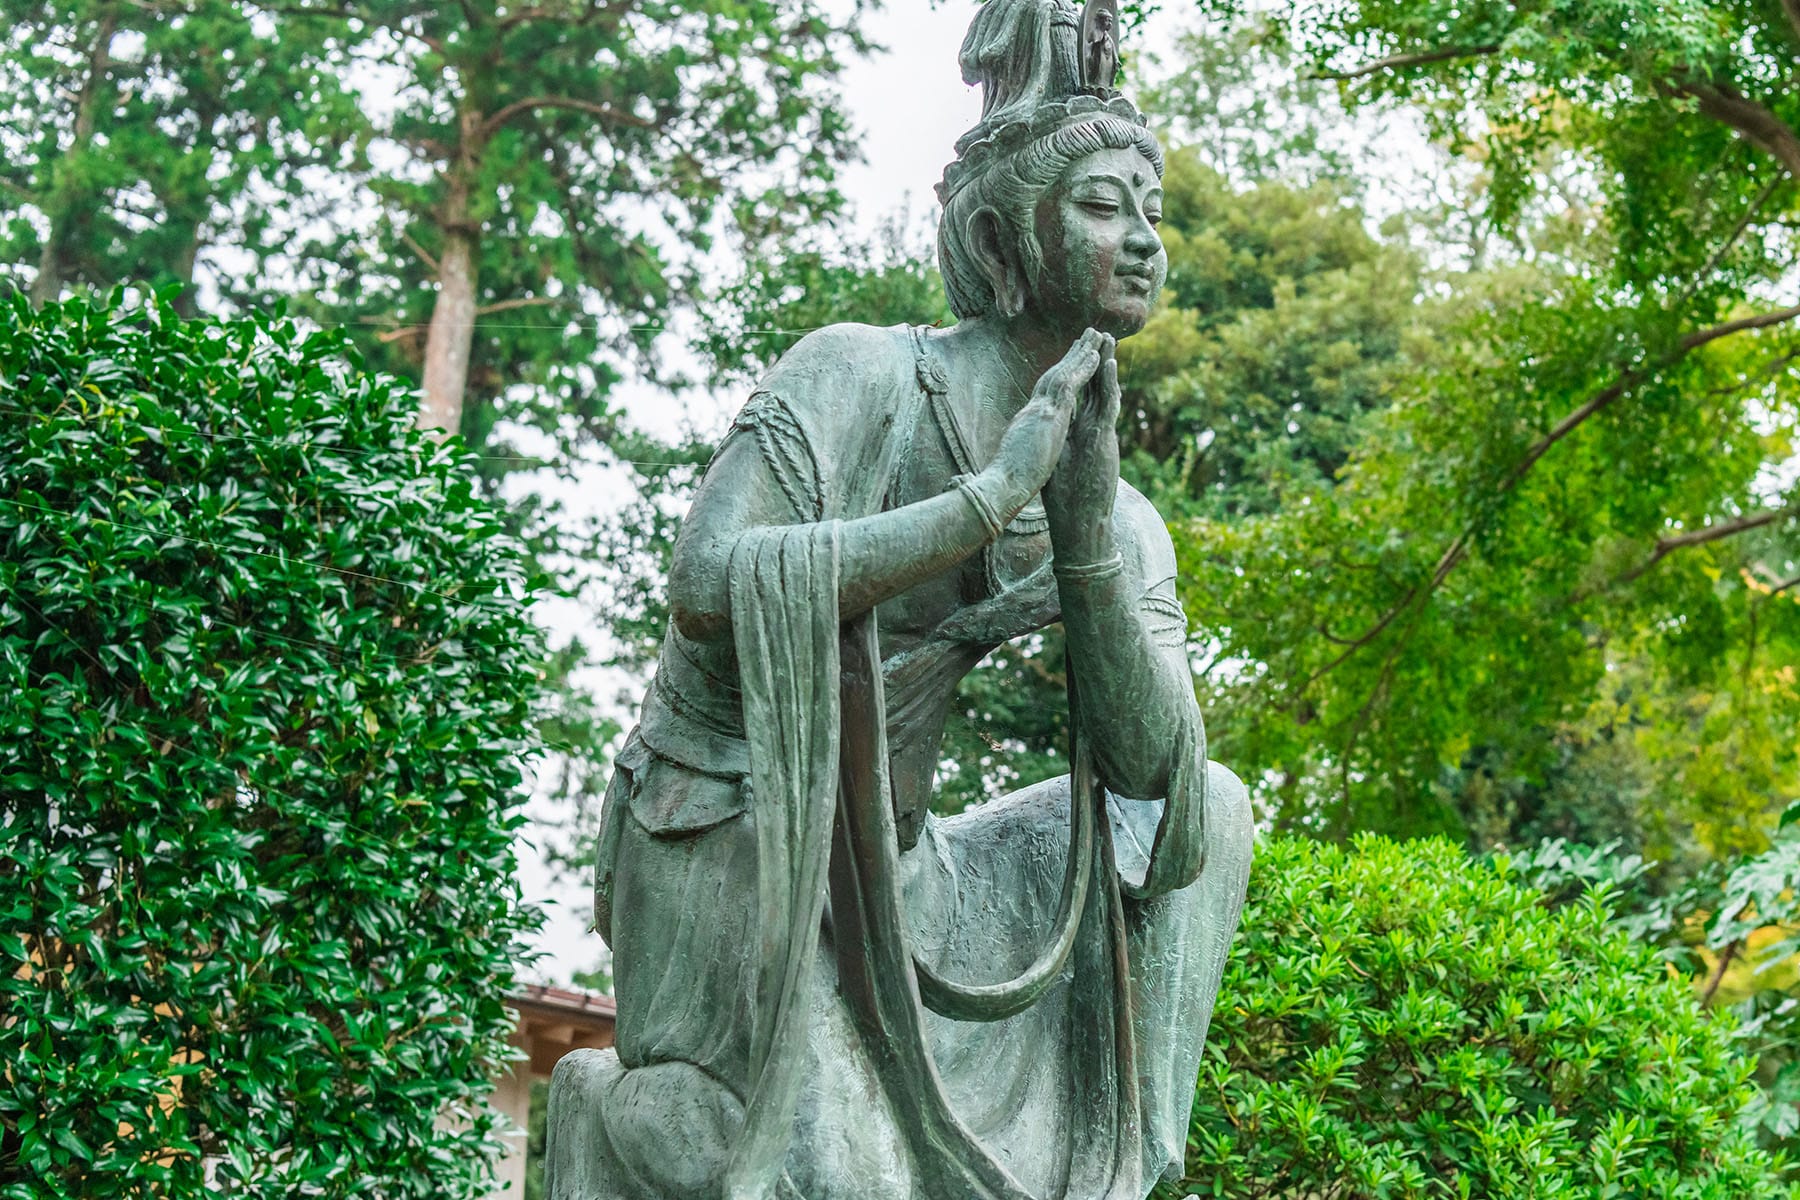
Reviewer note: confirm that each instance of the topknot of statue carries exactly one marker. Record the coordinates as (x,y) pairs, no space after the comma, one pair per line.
(996,144)
(1042,65)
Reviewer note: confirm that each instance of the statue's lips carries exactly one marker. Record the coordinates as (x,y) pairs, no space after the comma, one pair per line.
(1144,276)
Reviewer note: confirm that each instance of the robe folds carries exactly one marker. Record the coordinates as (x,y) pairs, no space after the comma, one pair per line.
(788,924)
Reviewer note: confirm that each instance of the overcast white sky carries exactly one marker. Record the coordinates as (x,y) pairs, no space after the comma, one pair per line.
(911,105)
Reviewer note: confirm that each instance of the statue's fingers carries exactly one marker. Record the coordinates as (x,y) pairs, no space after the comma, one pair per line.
(1076,374)
(1102,392)
(1078,349)
(1086,353)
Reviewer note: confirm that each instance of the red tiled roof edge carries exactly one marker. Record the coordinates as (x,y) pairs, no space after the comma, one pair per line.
(567,1000)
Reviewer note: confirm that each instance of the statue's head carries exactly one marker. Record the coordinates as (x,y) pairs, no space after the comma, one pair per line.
(1050,208)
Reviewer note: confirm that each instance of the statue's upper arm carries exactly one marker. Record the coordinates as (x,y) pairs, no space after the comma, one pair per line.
(1143,539)
(775,466)
(739,492)
(1149,553)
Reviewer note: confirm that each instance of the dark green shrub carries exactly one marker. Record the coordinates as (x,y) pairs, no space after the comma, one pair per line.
(265,676)
(1398,1021)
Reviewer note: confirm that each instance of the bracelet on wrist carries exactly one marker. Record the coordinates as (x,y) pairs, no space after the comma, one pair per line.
(1090,573)
(990,519)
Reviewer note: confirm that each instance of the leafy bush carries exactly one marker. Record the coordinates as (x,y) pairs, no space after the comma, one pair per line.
(1733,927)
(265,675)
(1398,1021)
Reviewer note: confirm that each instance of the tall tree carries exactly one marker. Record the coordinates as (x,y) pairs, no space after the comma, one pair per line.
(139,136)
(504,203)
(540,168)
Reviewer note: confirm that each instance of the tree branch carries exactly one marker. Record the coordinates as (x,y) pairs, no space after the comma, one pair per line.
(1608,395)
(539,12)
(1718,976)
(434,149)
(432,43)
(1700,537)
(1398,61)
(525,16)
(306,10)
(343,13)
(605,112)
(1786,585)
(1792,9)
(518,302)
(1757,123)
(424,255)
(1780,316)
(1725,247)
(1458,550)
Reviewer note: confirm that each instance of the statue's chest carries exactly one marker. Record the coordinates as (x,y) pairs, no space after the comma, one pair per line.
(930,468)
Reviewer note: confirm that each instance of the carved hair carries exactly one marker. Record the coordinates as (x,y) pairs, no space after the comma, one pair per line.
(1011,184)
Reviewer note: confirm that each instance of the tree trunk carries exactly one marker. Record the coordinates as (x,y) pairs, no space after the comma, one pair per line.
(188,302)
(189,204)
(452,334)
(48,284)
(63,203)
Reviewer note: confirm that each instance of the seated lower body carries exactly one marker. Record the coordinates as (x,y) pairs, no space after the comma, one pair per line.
(656,1118)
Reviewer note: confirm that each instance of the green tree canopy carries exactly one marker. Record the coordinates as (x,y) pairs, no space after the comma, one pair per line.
(136,137)
(1280,329)
(1570,532)
(544,169)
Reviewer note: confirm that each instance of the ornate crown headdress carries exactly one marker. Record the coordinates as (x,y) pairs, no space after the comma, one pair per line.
(1041,65)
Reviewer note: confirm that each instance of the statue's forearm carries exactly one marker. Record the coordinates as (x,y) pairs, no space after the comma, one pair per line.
(879,556)
(1133,693)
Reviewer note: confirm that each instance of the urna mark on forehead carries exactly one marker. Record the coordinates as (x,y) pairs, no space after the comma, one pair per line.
(1130,178)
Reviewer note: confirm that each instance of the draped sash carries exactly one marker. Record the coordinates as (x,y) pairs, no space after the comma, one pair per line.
(784,589)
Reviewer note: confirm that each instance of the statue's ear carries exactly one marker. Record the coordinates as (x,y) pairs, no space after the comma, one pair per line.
(999,264)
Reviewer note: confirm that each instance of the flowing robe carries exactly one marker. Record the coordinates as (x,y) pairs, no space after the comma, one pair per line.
(769,873)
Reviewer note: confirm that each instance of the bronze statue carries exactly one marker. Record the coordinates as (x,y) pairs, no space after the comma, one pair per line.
(825,991)
(1100,45)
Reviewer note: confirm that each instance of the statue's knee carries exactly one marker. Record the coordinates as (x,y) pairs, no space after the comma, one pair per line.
(671,1127)
(658,1132)
(575,1151)
(1230,823)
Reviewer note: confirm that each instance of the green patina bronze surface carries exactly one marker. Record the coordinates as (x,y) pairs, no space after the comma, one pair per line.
(826,992)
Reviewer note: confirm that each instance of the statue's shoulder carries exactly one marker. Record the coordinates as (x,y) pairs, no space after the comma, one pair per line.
(842,357)
(853,335)
(823,413)
(1131,508)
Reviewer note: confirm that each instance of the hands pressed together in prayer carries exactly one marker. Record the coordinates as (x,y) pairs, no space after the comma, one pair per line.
(1065,443)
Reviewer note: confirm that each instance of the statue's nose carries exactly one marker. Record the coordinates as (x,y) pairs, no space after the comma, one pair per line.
(1142,241)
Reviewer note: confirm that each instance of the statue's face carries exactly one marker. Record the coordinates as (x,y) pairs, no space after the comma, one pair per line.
(1104,264)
